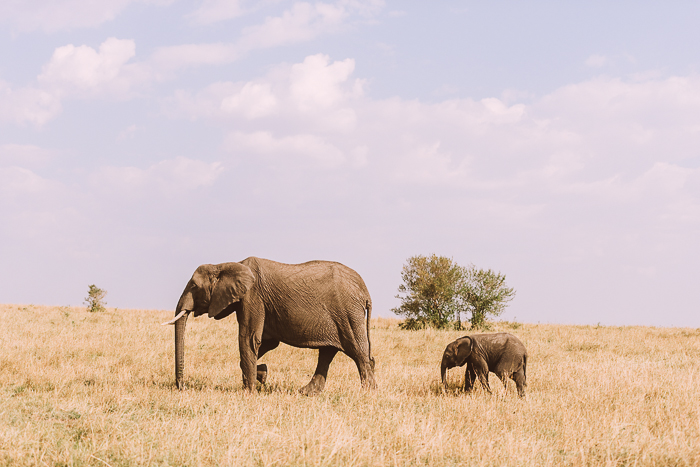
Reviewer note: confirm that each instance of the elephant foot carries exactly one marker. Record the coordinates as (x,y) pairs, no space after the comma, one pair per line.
(368,382)
(314,387)
(262,373)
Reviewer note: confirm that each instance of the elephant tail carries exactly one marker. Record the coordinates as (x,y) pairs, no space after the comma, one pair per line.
(368,306)
(525,366)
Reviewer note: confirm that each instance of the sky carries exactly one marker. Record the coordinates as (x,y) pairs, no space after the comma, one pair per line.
(555,142)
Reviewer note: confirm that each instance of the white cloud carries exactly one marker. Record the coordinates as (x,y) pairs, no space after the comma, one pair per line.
(57,15)
(427,165)
(317,92)
(178,56)
(614,98)
(25,155)
(609,144)
(597,61)
(83,69)
(300,23)
(446,90)
(317,84)
(207,103)
(27,105)
(621,127)
(212,11)
(253,100)
(72,71)
(187,173)
(127,133)
(659,182)
(168,176)
(600,141)
(359,156)
(575,143)
(18,181)
(300,147)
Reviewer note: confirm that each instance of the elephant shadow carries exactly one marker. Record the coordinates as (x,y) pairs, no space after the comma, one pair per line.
(277,388)
(455,388)
(202,384)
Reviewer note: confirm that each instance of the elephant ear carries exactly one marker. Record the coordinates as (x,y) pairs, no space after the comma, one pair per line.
(464,349)
(232,283)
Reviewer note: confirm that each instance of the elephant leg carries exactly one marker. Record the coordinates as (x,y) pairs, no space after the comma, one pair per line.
(248,367)
(265,347)
(359,352)
(503,376)
(484,380)
(248,345)
(366,370)
(469,377)
(318,381)
(519,378)
(482,372)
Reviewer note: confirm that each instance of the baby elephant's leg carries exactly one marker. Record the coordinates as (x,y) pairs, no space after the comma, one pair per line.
(262,373)
(503,376)
(484,379)
(519,378)
(482,370)
(469,377)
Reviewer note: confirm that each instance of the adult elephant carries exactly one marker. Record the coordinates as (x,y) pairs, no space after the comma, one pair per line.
(318,305)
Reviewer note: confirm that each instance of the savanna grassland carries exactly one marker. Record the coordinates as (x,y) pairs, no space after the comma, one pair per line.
(97,389)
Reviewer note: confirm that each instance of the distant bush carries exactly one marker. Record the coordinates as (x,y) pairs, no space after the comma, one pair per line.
(510,324)
(414,324)
(95,299)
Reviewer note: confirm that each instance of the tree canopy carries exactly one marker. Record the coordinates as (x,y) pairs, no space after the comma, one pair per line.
(436,290)
(485,294)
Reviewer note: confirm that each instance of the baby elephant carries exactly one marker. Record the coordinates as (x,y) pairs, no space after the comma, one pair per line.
(500,353)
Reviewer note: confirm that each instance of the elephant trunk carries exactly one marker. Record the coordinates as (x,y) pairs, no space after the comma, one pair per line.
(182,311)
(180,325)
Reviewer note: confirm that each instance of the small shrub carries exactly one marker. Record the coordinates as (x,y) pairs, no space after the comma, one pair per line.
(511,324)
(483,326)
(95,298)
(413,324)
(416,324)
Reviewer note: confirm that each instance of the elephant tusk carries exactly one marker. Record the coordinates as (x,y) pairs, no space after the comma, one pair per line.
(174,320)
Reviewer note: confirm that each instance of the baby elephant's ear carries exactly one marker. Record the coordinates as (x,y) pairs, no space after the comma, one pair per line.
(464,349)
(232,283)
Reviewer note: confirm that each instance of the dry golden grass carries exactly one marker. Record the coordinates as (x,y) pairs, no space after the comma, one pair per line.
(98,389)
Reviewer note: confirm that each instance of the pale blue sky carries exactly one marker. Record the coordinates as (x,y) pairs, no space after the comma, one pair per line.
(556,143)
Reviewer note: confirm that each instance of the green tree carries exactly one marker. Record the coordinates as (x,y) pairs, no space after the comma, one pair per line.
(436,290)
(485,293)
(94,300)
(430,293)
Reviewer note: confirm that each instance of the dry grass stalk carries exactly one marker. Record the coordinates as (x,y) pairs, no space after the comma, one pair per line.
(81,389)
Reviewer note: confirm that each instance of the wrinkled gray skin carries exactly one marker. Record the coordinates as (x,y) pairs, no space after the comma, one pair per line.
(500,353)
(318,305)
